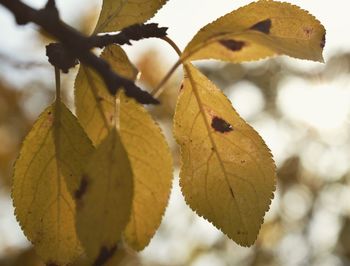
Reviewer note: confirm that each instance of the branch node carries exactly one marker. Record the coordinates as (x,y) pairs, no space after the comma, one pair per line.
(51,10)
(60,57)
(74,45)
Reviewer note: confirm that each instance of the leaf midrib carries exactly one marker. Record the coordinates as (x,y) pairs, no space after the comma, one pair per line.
(201,109)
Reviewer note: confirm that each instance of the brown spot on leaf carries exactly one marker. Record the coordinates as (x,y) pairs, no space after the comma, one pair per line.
(78,194)
(232,44)
(263,26)
(181,87)
(231,191)
(51,264)
(323,41)
(104,255)
(308,31)
(221,125)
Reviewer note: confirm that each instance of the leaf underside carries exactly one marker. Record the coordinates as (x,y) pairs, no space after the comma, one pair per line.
(144,143)
(227,174)
(104,199)
(95,106)
(259,30)
(151,162)
(47,170)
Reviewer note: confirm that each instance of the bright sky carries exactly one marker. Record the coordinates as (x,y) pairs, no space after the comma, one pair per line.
(185,17)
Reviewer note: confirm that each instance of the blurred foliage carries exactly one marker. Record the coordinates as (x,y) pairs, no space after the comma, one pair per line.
(13,124)
(28,257)
(25,257)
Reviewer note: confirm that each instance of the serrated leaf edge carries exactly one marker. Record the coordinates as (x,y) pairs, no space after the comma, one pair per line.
(268,152)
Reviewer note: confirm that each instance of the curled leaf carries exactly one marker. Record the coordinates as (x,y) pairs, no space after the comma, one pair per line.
(259,30)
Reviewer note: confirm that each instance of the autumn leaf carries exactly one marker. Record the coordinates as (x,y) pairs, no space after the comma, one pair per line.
(144,143)
(104,200)
(227,173)
(152,167)
(95,106)
(48,168)
(118,14)
(259,30)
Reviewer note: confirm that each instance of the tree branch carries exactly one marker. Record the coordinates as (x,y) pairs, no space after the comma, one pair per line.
(133,33)
(77,45)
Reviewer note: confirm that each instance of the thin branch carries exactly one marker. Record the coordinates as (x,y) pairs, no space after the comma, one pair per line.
(159,89)
(173,45)
(133,33)
(58,84)
(77,44)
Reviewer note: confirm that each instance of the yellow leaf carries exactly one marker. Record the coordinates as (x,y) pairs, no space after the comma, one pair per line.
(152,167)
(53,153)
(259,30)
(118,14)
(95,105)
(104,199)
(227,173)
(146,148)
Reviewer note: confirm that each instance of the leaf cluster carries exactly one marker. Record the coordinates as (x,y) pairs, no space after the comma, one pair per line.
(95,184)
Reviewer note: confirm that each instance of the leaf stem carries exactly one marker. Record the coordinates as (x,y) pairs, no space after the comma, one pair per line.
(160,88)
(58,84)
(172,44)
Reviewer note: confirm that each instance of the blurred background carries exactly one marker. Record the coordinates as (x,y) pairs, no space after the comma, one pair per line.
(300,108)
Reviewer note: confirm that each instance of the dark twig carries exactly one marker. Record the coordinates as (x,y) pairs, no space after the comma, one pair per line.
(64,59)
(77,44)
(133,33)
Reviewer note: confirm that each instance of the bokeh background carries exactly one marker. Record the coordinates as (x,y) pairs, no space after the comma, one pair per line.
(300,108)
